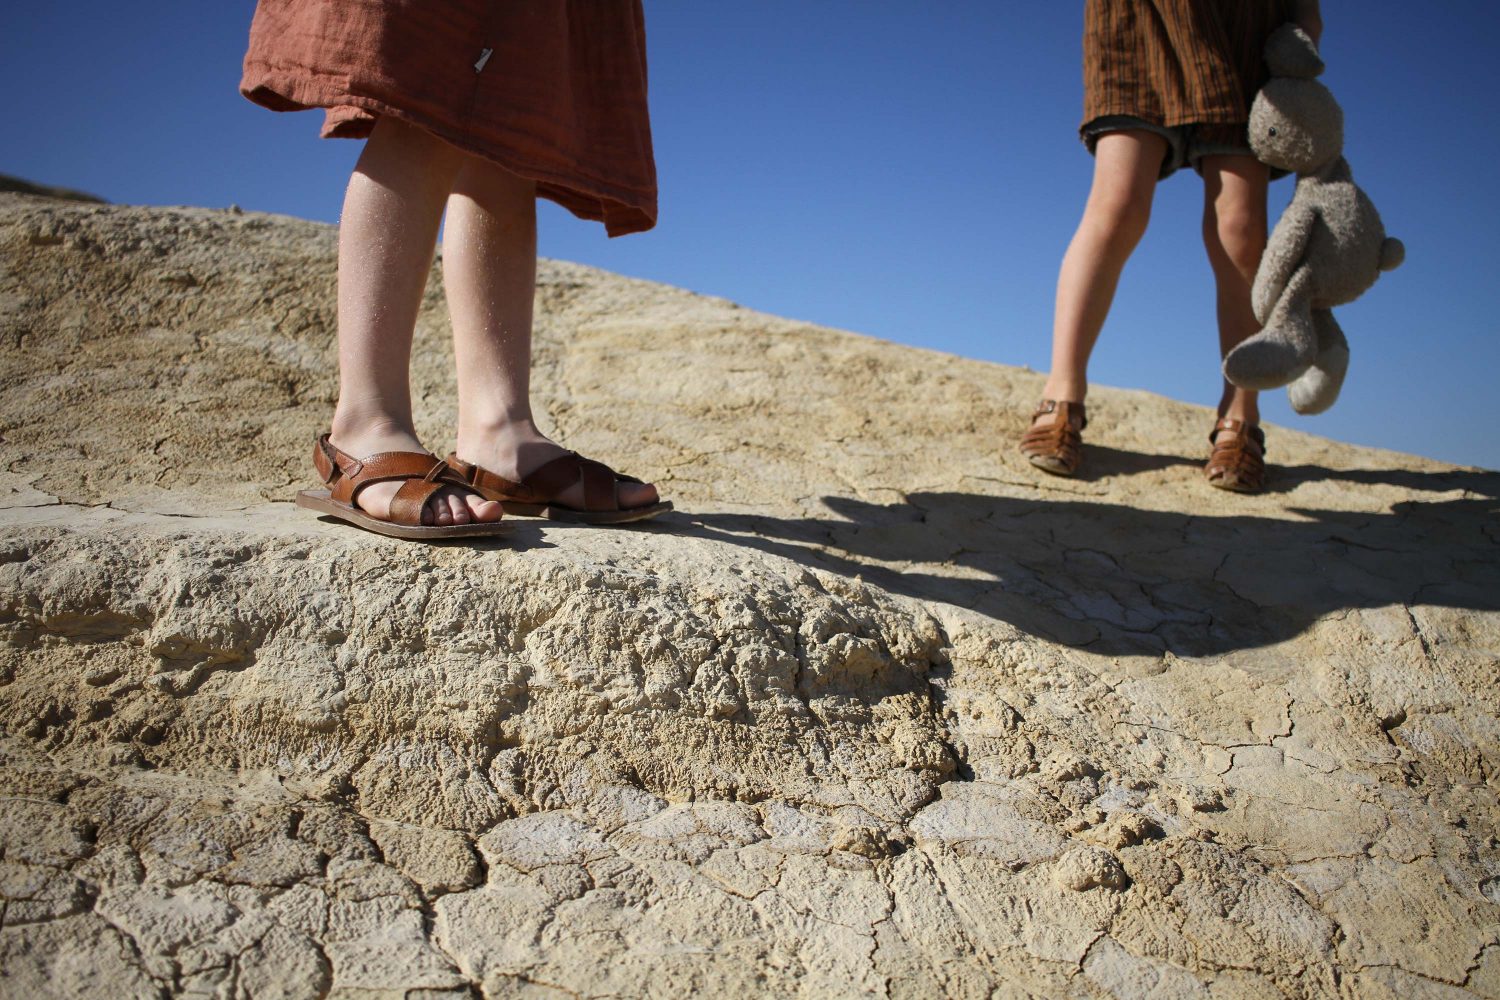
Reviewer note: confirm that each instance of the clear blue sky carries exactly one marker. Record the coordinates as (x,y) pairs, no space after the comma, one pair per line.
(909,171)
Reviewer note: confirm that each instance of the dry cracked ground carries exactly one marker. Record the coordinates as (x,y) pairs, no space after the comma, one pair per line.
(876,711)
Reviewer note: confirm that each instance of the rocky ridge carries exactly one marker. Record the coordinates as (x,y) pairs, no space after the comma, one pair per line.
(877,711)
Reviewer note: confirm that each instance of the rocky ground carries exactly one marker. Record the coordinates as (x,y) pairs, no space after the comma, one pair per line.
(876,711)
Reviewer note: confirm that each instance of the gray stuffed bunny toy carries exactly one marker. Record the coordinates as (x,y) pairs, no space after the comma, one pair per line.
(1329,245)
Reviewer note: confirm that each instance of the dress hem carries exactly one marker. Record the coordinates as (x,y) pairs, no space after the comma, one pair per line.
(621,211)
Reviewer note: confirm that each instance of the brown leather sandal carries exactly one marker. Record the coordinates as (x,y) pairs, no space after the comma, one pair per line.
(424,475)
(536,494)
(1238,459)
(1057,447)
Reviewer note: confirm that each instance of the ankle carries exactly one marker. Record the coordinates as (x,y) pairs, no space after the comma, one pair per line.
(1240,405)
(490,439)
(481,422)
(349,424)
(1060,392)
(1064,389)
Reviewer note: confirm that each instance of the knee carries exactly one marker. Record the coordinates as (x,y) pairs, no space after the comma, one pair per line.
(1236,237)
(1120,217)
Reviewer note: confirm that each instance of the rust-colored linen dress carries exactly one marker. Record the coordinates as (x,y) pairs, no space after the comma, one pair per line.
(552,90)
(1178,62)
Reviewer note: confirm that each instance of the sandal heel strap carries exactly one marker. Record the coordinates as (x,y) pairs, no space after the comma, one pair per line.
(332,463)
(1238,428)
(1065,409)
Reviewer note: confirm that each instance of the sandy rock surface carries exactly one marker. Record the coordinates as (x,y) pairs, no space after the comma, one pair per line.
(878,710)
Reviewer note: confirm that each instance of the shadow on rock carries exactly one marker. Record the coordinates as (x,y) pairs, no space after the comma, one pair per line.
(1285,478)
(1119,580)
(1104,462)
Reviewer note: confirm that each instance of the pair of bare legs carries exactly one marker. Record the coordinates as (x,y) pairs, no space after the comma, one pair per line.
(1126,166)
(395,203)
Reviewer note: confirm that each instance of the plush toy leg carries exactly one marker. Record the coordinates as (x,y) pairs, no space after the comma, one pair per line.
(1284,348)
(1317,388)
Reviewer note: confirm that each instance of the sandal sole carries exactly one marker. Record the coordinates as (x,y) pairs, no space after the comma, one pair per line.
(1050,465)
(323,503)
(598,517)
(1227,487)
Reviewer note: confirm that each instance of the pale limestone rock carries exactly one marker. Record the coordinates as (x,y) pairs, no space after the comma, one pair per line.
(437,860)
(1085,868)
(76,956)
(877,711)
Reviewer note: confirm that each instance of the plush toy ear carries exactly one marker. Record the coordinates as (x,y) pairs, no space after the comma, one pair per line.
(1290,52)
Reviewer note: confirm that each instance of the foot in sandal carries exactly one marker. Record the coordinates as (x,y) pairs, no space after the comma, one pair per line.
(1237,462)
(1054,441)
(535,477)
(400,490)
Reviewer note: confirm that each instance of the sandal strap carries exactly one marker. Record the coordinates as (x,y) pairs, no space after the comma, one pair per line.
(1065,408)
(330,461)
(1063,443)
(1238,451)
(407,504)
(1059,440)
(485,480)
(599,491)
(547,482)
(335,465)
(424,475)
(1239,428)
(1057,436)
(550,479)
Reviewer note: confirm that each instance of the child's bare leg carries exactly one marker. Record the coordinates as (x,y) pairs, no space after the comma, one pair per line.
(489,270)
(386,237)
(1126,167)
(1234,233)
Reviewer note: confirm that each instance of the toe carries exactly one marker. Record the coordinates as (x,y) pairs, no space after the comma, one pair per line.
(637,494)
(458,508)
(483,511)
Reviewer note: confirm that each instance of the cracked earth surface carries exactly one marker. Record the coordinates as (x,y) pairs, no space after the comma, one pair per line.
(876,711)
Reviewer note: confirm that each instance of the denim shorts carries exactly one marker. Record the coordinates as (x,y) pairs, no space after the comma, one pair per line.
(1185,148)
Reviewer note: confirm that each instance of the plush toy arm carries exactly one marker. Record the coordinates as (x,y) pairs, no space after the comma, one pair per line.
(1284,252)
(1284,347)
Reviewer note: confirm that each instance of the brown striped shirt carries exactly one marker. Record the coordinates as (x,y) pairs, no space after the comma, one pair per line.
(1178,62)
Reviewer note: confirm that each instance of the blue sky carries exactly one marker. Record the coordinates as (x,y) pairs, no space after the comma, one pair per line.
(909,171)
